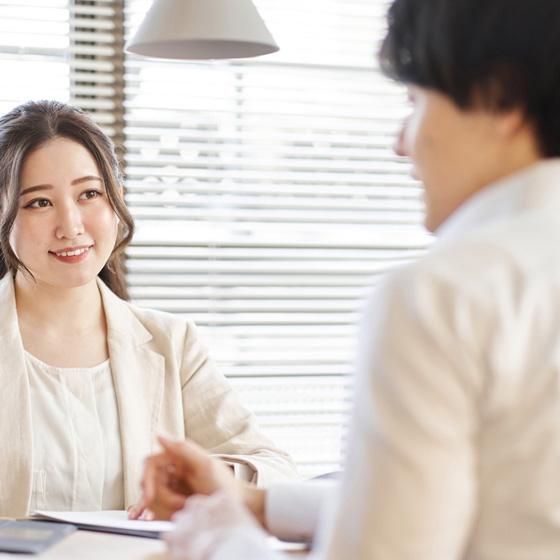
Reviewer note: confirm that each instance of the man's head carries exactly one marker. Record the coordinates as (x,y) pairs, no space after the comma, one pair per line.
(484,80)
(496,54)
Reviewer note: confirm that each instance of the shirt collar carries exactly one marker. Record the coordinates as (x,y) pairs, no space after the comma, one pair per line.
(529,188)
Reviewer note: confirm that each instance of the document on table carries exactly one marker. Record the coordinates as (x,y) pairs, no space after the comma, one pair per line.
(116,521)
(284,546)
(108,521)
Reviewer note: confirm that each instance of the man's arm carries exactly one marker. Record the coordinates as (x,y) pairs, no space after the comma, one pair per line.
(184,468)
(288,510)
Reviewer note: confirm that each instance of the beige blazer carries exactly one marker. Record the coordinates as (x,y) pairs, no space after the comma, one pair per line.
(164,381)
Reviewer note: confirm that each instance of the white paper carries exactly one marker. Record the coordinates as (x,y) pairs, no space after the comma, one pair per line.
(117,521)
(111,519)
(277,544)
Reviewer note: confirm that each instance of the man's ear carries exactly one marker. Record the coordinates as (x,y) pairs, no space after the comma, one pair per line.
(514,130)
(510,122)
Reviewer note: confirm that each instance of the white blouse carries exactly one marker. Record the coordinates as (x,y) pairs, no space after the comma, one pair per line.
(77,454)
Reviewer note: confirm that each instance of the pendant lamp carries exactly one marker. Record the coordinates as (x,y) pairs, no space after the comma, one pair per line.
(202,30)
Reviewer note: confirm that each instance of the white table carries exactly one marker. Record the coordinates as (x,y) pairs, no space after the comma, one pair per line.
(94,545)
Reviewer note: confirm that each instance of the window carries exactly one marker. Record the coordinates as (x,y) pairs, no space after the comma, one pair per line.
(34,42)
(268,200)
(69,50)
(266,193)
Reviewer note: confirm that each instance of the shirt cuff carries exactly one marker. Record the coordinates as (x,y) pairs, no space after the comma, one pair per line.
(292,509)
(244,543)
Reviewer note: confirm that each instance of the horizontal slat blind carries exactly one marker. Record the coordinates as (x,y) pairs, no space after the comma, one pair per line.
(268,200)
(69,50)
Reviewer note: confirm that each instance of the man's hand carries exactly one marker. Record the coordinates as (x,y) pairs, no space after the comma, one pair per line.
(184,468)
(206,522)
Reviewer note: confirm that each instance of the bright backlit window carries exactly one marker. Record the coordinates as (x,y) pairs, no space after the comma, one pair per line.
(267,196)
(268,201)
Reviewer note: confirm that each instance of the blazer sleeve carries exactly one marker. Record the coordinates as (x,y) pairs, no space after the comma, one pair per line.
(216,419)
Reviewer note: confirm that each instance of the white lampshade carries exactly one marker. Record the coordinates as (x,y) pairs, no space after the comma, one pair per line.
(202,30)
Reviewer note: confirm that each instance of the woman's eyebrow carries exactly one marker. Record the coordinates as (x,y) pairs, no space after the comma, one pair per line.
(48,187)
(85,179)
(35,188)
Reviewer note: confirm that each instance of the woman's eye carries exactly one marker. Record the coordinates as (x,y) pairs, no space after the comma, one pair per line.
(91,194)
(38,203)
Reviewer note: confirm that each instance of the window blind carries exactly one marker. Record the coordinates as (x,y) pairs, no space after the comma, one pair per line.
(69,50)
(267,196)
(268,202)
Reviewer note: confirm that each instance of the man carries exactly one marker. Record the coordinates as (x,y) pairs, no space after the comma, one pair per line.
(454,448)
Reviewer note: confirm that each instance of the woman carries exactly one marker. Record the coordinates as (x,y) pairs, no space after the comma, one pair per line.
(87,378)
(454,448)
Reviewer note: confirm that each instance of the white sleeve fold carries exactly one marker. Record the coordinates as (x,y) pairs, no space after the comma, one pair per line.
(292,509)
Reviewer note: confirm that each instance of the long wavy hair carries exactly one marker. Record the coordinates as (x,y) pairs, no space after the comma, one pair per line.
(32,125)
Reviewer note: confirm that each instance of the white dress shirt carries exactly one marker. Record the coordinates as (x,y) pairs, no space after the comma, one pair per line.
(77,455)
(454,450)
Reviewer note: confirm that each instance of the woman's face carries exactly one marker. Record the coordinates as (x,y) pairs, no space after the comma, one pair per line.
(65,229)
(455,152)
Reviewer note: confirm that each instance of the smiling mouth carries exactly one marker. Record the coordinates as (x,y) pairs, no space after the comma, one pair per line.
(72,253)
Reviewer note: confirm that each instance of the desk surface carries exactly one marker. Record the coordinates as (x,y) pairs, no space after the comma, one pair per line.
(93,545)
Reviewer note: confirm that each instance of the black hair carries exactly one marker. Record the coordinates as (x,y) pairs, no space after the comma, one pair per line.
(495,54)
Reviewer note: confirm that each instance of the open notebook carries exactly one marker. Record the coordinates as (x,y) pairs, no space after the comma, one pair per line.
(109,521)
(116,521)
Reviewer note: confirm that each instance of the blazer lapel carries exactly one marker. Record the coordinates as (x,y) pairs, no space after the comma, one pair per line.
(16,458)
(138,376)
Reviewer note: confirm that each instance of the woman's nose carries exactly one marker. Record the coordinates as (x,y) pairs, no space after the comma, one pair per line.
(70,223)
